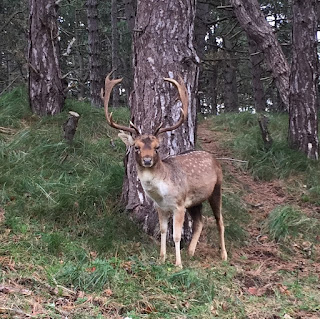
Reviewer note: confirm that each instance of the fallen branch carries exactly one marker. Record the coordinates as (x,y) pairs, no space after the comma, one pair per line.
(231,159)
(15,311)
(8,86)
(7,130)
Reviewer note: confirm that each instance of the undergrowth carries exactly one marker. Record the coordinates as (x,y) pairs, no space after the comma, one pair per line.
(68,249)
(286,222)
(242,134)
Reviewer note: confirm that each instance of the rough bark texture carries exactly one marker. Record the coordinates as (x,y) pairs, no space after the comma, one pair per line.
(303,122)
(95,65)
(114,49)
(70,126)
(267,139)
(162,47)
(259,30)
(231,103)
(256,57)
(45,86)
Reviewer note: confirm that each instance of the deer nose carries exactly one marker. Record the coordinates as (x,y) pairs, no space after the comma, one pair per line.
(147,161)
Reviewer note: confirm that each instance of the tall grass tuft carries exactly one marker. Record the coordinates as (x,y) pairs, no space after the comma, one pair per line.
(286,222)
(14,107)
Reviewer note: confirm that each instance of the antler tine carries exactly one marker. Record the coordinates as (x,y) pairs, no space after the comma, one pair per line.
(109,84)
(183,94)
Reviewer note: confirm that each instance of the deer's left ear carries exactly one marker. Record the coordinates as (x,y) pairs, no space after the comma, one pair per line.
(126,138)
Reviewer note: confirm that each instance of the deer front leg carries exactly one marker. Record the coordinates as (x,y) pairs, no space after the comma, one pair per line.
(178,219)
(163,221)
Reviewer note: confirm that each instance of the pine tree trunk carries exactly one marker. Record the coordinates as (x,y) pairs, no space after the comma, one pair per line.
(95,66)
(256,58)
(259,30)
(45,85)
(231,103)
(114,49)
(162,47)
(303,121)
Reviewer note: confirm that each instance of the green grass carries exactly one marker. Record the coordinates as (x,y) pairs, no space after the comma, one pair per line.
(242,134)
(69,249)
(286,222)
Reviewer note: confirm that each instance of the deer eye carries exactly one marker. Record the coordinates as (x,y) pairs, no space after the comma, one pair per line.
(157,148)
(137,148)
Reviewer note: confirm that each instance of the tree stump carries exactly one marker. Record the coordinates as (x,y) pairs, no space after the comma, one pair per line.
(263,123)
(70,126)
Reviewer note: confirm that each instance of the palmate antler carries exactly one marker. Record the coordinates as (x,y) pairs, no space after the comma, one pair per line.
(109,84)
(183,94)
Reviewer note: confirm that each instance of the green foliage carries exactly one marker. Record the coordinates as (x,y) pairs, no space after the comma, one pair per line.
(87,276)
(236,217)
(243,136)
(286,222)
(13,107)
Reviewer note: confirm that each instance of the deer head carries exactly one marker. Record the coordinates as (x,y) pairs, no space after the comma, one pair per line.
(146,145)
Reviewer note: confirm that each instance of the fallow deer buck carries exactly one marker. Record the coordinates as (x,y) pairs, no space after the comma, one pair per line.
(177,183)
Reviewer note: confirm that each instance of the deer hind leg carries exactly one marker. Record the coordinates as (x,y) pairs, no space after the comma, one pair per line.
(215,201)
(163,221)
(178,219)
(196,215)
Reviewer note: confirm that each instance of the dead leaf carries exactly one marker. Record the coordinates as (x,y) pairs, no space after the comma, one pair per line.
(225,306)
(254,291)
(108,292)
(93,254)
(283,289)
(81,294)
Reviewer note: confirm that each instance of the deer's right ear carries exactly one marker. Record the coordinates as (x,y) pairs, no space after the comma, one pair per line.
(126,138)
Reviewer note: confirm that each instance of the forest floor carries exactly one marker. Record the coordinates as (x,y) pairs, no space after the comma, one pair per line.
(261,259)
(68,251)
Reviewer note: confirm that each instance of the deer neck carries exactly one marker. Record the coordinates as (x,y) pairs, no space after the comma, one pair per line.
(148,174)
(154,181)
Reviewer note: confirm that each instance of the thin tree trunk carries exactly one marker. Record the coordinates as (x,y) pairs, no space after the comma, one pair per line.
(95,66)
(114,49)
(231,103)
(45,85)
(303,123)
(130,13)
(256,58)
(163,47)
(258,29)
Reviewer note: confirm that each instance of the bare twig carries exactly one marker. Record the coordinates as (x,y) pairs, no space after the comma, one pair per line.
(7,130)
(9,20)
(231,159)
(8,86)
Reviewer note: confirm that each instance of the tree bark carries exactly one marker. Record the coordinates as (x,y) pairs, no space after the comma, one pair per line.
(256,58)
(303,121)
(259,30)
(162,47)
(114,49)
(231,103)
(95,66)
(45,85)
